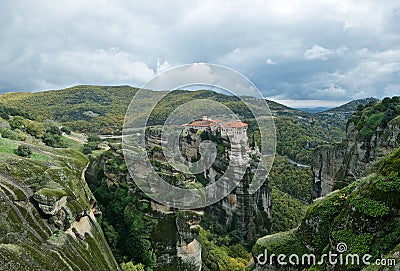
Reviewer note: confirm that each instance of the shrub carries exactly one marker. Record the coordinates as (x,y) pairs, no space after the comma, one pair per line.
(369,207)
(23,151)
(53,140)
(17,123)
(129,266)
(388,184)
(53,130)
(7,133)
(66,130)
(90,146)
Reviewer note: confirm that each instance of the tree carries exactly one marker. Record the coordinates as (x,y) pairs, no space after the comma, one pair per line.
(7,133)
(93,138)
(90,146)
(17,123)
(23,151)
(35,129)
(53,130)
(66,130)
(53,140)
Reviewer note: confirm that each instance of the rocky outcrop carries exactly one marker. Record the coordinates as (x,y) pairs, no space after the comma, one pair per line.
(336,166)
(55,205)
(174,241)
(47,218)
(248,214)
(173,236)
(359,219)
(327,161)
(188,248)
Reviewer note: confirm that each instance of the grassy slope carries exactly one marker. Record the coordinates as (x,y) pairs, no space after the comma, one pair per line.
(27,242)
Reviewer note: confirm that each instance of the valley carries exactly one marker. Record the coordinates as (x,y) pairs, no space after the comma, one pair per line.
(334,178)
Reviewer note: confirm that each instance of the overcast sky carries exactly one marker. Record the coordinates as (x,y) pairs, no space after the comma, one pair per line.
(321,52)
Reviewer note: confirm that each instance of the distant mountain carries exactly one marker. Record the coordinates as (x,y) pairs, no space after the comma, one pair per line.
(338,116)
(352,106)
(313,110)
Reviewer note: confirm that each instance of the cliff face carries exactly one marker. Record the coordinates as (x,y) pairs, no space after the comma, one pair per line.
(249,215)
(174,241)
(367,139)
(173,237)
(47,213)
(363,217)
(327,161)
(169,236)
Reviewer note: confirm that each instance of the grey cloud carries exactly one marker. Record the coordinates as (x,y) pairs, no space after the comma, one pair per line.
(290,49)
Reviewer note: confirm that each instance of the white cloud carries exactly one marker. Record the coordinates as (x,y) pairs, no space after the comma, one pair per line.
(333,91)
(392,90)
(318,44)
(163,66)
(317,52)
(269,61)
(99,66)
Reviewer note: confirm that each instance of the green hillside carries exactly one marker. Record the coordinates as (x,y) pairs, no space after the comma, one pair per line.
(46,221)
(101,110)
(363,215)
(84,108)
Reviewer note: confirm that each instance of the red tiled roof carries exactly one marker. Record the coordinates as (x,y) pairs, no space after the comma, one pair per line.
(234,124)
(202,123)
(210,123)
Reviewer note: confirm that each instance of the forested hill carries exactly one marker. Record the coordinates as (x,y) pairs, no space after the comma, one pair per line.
(101,110)
(338,116)
(84,108)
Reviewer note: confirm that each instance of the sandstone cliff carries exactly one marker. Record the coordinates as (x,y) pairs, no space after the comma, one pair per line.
(248,214)
(372,133)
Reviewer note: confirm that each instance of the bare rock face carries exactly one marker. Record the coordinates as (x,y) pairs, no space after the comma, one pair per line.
(250,215)
(190,253)
(50,204)
(188,248)
(327,161)
(54,204)
(336,166)
(174,241)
